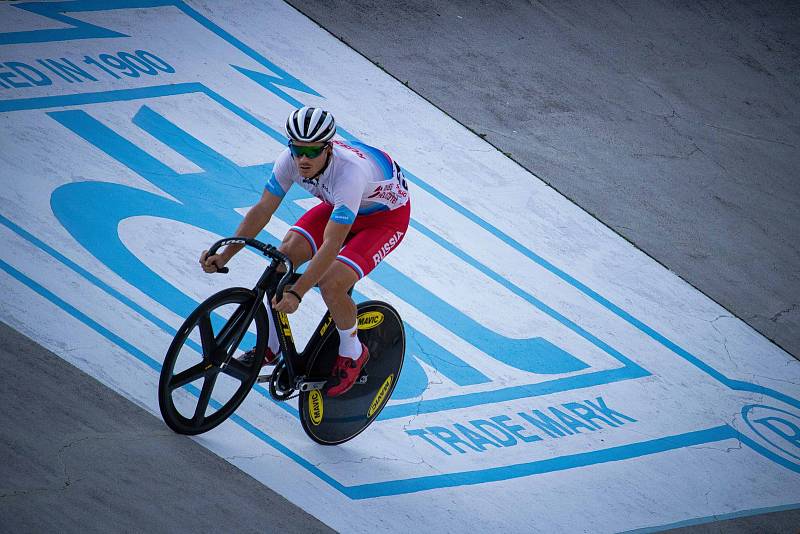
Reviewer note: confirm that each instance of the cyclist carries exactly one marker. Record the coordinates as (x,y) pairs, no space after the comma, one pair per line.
(363,216)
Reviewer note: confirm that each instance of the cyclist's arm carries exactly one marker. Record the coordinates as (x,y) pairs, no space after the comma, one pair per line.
(254,221)
(334,236)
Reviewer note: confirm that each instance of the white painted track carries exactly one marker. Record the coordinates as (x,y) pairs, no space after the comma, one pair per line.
(515,299)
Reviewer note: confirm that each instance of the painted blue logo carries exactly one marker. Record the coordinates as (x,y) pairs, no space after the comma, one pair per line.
(779,429)
(91,211)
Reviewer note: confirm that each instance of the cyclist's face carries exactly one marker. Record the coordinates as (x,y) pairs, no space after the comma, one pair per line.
(307,166)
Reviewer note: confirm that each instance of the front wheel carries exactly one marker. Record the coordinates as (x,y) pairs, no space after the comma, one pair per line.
(334,420)
(202,382)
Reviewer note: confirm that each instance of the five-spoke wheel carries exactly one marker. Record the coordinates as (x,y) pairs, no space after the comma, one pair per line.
(202,382)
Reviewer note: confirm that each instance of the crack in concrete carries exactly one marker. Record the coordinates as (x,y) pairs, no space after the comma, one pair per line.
(67,480)
(792,382)
(744,134)
(662,97)
(726,450)
(714,161)
(674,128)
(365,458)
(624,10)
(251,457)
(724,338)
(22,493)
(781,313)
(668,156)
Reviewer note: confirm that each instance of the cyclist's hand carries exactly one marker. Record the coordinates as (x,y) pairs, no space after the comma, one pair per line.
(288,303)
(212,264)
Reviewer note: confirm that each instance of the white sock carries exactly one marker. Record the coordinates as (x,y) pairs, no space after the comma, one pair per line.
(273,344)
(349,344)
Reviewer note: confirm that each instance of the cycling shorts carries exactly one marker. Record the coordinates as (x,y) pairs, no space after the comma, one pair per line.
(371,238)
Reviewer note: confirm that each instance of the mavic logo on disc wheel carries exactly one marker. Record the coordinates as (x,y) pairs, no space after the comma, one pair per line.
(377,402)
(369,320)
(315,407)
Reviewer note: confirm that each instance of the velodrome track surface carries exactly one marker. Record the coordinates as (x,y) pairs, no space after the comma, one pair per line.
(108,197)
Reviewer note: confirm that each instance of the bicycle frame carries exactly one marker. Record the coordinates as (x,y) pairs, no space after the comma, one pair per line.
(267,287)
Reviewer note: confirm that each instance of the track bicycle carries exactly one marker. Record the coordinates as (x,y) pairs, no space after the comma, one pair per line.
(193,400)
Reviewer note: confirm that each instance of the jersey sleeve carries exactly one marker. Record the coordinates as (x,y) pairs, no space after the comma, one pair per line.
(281,178)
(347,197)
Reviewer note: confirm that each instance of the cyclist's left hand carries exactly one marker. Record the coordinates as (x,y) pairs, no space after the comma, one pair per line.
(288,303)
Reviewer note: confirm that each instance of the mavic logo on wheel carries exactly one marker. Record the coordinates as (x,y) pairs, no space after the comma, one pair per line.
(377,402)
(369,320)
(315,407)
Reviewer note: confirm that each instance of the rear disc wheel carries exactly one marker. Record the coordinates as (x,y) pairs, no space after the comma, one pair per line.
(334,420)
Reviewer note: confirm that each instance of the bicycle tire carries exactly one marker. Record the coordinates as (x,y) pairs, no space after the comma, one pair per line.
(335,420)
(209,368)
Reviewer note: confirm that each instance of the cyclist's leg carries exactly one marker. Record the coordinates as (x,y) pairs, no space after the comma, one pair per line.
(304,238)
(372,239)
(352,355)
(296,247)
(334,285)
(299,244)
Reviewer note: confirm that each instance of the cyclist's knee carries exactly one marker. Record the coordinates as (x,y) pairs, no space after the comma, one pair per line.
(337,281)
(296,247)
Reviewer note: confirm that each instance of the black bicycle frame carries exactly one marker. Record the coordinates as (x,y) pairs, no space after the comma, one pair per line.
(267,287)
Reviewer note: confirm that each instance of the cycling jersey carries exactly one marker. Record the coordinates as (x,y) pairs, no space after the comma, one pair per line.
(359,180)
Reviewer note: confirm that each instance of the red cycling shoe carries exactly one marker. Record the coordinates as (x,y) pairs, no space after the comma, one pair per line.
(346,371)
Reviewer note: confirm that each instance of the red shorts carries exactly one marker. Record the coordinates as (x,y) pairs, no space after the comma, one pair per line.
(371,238)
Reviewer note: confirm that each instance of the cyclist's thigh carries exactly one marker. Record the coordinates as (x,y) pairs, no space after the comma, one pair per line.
(338,278)
(296,247)
(305,237)
(370,245)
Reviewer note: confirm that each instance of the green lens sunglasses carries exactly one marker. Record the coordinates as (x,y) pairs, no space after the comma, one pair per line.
(310,152)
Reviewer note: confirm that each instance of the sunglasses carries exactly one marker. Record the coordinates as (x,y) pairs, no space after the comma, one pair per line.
(310,152)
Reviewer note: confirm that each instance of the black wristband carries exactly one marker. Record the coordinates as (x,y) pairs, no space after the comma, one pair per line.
(293,292)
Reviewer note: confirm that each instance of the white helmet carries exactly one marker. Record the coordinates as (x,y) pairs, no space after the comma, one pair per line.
(310,125)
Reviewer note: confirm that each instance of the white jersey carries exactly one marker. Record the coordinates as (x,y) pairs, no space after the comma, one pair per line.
(359,180)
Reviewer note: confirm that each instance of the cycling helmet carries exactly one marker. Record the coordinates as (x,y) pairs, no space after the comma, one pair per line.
(310,125)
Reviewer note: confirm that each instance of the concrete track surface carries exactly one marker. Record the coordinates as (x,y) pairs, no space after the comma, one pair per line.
(677,125)
(77,457)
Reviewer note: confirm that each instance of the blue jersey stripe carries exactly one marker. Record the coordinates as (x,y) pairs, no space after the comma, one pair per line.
(343,215)
(369,210)
(379,157)
(274,187)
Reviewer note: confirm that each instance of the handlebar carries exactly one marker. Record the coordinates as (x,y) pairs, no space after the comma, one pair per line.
(267,250)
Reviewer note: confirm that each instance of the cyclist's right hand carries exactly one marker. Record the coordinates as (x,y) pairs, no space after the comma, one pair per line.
(212,264)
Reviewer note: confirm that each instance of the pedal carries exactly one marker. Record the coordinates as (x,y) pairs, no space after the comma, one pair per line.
(310,385)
